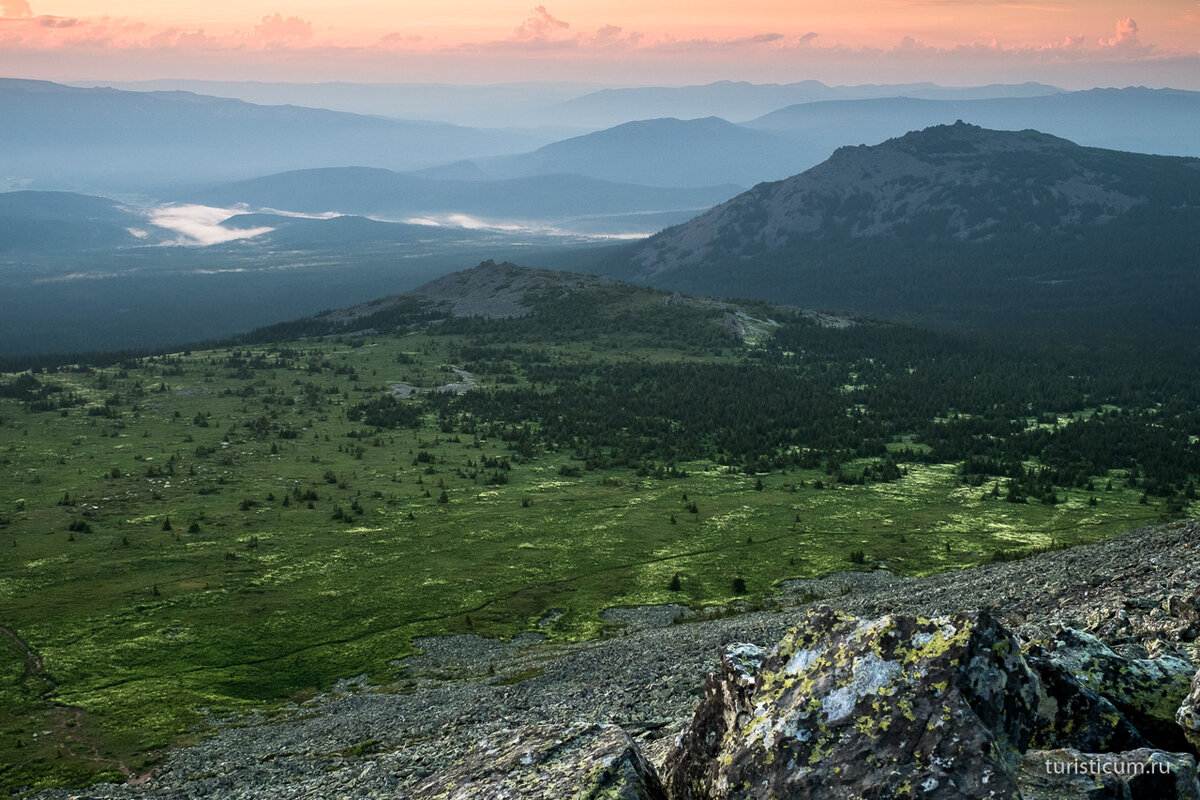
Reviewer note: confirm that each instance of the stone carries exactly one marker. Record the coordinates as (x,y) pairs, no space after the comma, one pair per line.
(1142,774)
(1071,715)
(849,708)
(1148,691)
(548,762)
(1188,715)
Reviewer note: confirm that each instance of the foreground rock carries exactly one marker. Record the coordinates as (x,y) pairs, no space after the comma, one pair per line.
(897,707)
(845,707)
(1148,691)
(593,762)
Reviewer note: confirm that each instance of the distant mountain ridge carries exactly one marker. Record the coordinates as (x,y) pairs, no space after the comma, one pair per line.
(44,221)
(937,224)
(661,152)
(740,101)
(1137,119)
(679,151)
(102,139)
(536,105)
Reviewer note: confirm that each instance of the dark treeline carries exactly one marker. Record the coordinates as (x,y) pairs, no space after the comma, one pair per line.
(1134,281)
(1026,419)
(816,396)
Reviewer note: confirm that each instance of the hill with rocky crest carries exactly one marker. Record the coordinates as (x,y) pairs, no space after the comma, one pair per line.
(493,291)
(923,226)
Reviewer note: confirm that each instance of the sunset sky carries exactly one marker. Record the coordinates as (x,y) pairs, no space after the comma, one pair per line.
(1072,43)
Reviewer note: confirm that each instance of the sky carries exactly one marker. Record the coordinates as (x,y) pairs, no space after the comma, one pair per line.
(1069,43)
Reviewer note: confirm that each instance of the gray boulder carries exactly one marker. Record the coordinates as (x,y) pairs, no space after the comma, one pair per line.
(1148,691)
(1072,715)
(851,708)
(893,707)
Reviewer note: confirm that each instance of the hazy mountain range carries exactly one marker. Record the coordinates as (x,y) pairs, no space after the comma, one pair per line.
(739,101)
(674,152)
(569,105)
(106,140)
(658,152)
(167,143)
(952,226)
(1161,121)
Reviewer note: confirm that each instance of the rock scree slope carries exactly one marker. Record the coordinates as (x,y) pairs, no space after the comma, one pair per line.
(995,681)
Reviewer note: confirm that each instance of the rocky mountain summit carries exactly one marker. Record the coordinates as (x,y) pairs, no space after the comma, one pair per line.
(1067,675)
(955,182)
(959,227)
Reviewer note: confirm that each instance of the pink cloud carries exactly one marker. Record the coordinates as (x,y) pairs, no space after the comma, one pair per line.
(608,33)
(609,37)
(1126,35)
(399,41)
(539,26)
(276,31)
(1068,43)
(178,38)
(15,8)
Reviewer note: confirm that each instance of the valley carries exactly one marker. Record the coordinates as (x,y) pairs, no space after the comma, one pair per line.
(196,534)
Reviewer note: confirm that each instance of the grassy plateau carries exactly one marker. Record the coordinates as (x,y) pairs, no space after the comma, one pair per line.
(187,536)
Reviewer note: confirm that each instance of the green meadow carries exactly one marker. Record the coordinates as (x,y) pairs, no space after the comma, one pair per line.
(188,536)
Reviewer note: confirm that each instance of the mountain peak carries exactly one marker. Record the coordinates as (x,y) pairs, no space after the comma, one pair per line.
(956,182)
(951,223)
(500,290)
(959,140)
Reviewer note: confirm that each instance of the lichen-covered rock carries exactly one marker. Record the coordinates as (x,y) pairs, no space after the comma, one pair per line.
(1148,691)
(548,762)
(726,707)
(1070,715)
(1185,608)
(1188,715)
(849,708)
(1141,774)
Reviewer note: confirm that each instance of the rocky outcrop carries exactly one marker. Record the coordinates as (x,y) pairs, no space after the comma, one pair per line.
(1071,715)
(911,707)
(589,762)
(846,708)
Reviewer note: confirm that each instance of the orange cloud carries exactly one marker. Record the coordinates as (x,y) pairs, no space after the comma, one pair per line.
(1126,35)
(15,8)
(276,31)
(539,26)
(935,40)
